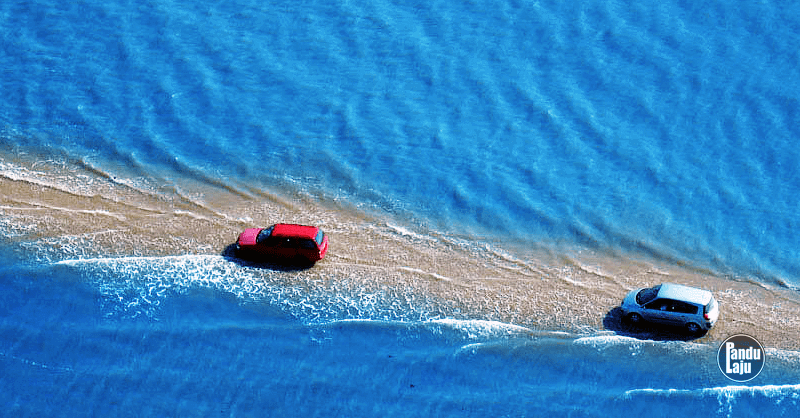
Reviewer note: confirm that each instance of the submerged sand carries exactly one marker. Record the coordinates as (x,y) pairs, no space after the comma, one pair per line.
(61,210)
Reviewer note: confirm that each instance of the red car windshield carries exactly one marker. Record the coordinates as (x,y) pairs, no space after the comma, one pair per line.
(263,235)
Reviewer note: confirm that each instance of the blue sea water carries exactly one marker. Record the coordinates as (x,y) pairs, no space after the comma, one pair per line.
(659,130)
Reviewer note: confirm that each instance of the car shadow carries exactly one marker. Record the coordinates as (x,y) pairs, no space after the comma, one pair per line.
(614,321)
(229,253)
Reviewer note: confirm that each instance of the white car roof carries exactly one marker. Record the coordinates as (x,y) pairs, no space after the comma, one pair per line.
(684,293)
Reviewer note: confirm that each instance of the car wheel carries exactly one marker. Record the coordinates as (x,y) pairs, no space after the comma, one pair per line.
(634,318)
(693,328)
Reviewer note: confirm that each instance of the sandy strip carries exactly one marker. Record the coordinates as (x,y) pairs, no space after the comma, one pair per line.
(56,211)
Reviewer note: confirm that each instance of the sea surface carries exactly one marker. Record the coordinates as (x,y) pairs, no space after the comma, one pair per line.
(493,176)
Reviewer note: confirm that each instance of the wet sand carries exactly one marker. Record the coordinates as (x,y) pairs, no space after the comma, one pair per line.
(61,210)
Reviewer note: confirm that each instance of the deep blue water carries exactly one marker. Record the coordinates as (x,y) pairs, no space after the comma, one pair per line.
(662,130)
(211,355)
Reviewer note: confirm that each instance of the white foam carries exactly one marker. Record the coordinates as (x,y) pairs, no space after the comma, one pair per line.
(426,273)
(134,286)
(191,215)
(47,180)
(606,340)
(771,391)
(480,329)
(37,364)
(784,355)
(136,259)
(138,285)
(408,233)
(569,280)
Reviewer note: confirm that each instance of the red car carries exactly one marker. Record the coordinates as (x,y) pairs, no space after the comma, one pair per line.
(284,242)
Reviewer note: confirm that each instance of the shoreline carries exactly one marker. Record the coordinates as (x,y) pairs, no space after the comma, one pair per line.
(55,212)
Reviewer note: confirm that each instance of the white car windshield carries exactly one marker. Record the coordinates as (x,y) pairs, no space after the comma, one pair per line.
(646,295)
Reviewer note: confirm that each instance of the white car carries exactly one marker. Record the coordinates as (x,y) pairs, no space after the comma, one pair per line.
(672,304)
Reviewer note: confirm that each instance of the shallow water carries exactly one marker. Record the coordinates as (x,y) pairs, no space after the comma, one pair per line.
(494,178)
(207,353)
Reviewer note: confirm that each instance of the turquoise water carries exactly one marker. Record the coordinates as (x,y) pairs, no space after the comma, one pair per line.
(662,131)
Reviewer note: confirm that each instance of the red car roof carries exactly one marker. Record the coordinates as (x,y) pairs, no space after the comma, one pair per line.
(291,230)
